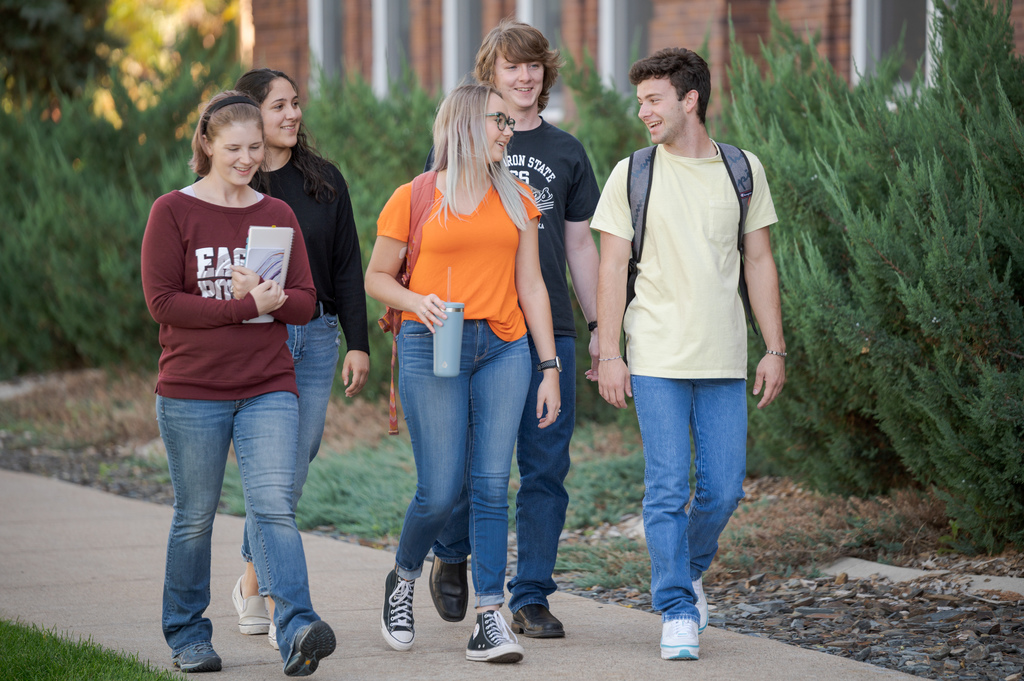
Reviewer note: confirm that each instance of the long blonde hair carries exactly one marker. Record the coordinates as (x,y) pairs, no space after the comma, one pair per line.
(460,147)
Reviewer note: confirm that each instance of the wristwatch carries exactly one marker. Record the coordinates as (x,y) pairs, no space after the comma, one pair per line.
(551,364)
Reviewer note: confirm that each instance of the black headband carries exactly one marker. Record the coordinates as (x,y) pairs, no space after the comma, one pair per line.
(220,104)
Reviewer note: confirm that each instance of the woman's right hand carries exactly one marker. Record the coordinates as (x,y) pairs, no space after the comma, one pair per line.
(430,310)
(243,280)
(269,296)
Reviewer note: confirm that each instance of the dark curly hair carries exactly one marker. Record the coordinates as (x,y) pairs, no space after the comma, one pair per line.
(684,68)
(316,175)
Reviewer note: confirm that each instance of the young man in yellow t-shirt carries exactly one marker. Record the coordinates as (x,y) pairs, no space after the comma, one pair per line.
(686,333)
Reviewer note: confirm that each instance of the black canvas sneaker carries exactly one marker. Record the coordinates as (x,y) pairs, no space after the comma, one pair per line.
(396,616)
(492,640)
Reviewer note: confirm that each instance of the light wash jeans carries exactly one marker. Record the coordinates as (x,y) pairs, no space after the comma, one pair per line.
(543,459)
(197,434)
(682,544)
(463,430)
(314,349)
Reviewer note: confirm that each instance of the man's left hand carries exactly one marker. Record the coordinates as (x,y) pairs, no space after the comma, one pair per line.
(595,352)
(771,375)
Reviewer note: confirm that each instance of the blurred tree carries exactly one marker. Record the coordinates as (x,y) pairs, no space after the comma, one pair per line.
(52,45)
(150,31)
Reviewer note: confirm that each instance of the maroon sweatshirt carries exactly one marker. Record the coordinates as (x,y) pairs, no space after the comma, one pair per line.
(208,353)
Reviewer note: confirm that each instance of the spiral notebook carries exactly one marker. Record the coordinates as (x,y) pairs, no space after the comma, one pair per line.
(267,253)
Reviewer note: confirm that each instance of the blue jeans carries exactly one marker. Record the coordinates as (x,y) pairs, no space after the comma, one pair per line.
(462,428)
(682,544)
(543,459)
(314,349)
(197,434)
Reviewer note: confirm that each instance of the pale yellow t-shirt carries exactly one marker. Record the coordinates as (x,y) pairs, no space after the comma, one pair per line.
(687,319)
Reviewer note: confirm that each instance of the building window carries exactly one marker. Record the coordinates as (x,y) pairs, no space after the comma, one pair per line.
(622,38)
(876,27)
(325,21)
(390,43)
(461,37)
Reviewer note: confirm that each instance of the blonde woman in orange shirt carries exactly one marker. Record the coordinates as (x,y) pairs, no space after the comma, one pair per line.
(483,230)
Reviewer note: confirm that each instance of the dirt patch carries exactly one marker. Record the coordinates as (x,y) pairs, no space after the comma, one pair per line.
(98,429)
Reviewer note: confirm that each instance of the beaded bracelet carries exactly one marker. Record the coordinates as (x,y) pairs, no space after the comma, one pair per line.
(608,359)
(773,352)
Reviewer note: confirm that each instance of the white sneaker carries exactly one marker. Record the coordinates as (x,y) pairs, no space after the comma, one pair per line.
(702,605)
(252,612)
(272,636)
(493,640)
(679,640)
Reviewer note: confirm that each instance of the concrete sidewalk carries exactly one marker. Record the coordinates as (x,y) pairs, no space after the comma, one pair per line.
(91,564)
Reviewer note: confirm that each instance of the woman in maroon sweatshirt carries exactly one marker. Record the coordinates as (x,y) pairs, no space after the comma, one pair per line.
(223,381)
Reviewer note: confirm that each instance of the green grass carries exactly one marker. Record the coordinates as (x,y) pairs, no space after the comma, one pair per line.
(363,492)
(603,490)
(28,652)
(613,564)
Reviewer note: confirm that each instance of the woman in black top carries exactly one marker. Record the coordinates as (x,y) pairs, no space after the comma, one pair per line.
(317,193)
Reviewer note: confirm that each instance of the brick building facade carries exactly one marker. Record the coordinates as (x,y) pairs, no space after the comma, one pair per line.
(438,38)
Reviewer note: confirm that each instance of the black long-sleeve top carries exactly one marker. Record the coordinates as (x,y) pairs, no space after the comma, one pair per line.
(332,245)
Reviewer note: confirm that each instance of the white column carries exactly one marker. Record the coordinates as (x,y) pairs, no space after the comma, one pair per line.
(607,40)
(929,54)
(858,40)
(246,33)
(379,72)
(315,26)
(450,44)
(526,12)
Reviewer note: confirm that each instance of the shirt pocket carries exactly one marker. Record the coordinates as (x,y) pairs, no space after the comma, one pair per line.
(723,224)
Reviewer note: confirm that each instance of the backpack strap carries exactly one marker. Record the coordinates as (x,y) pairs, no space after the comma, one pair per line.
(391,321)
(738,167)
(638,192)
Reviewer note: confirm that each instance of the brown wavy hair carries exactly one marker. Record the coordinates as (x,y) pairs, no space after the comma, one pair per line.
(518,43)
(684,68)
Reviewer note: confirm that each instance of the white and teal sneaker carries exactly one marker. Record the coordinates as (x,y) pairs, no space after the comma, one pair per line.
(679,640)
(702,605)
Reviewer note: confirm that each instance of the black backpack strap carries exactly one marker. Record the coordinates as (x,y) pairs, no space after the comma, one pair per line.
(738,167)
(638,191)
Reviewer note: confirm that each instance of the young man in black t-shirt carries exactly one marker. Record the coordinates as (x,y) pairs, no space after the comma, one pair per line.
(517,60)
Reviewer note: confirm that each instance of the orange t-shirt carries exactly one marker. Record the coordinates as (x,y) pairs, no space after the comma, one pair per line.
(479,248)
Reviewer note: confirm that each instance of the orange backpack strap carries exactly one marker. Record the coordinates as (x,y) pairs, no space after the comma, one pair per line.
(419,210)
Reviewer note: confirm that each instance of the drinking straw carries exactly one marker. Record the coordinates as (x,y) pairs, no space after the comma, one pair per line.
(448,298)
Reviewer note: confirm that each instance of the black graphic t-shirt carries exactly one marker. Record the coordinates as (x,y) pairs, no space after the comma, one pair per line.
(556,166)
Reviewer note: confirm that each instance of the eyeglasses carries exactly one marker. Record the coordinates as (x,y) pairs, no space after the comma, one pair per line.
(502,119)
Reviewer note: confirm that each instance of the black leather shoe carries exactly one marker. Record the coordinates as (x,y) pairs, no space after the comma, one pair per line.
(536,621)
(449,589)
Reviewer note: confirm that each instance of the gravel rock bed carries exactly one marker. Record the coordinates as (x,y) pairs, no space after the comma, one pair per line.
(119,469)
(932,627)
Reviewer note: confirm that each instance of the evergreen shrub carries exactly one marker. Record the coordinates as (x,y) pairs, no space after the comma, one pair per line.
(76,191)
(901,257)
